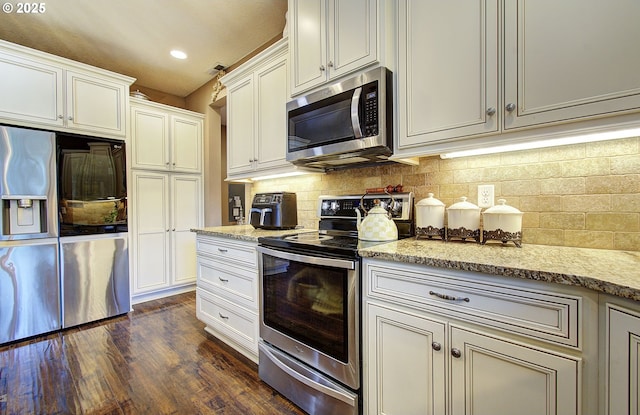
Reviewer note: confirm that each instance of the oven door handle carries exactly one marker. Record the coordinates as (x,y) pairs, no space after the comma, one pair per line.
(306,381)
(307,259)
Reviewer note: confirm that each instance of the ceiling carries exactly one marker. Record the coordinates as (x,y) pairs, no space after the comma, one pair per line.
(134,37)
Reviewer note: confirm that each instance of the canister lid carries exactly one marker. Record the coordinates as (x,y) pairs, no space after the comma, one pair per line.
(463,205)
(503,208)
(429,201)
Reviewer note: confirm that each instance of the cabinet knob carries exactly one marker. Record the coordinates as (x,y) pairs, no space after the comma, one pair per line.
(167,230)
(436,346)
(173,230)
(70,118)
(322,69)
(60,116)
(456,353)
(510,107)
(167,163)
(491,111)
(330,64)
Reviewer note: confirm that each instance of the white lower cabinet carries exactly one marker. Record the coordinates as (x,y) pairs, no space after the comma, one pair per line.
(621,359)
(423,354)
(227,291)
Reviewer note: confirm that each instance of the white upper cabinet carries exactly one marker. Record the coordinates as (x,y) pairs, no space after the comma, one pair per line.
(569,60)
(44,91)
(496,72)
(447,70)
(257,95)
(165,138)
(331,38)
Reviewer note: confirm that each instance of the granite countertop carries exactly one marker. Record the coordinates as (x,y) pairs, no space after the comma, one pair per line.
(245,232)
(606,271)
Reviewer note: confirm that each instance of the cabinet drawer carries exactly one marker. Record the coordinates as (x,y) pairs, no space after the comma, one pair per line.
(545,315)
(234,322)
(236,284)
(238,252)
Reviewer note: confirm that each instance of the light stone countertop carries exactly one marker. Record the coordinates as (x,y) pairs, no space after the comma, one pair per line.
(606,271)
(245,232)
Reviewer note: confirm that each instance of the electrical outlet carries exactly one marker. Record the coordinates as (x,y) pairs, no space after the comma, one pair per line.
(486,194)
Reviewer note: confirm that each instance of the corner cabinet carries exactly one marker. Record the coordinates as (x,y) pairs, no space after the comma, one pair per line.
(434,342)
(257,94)
(331,38)
(45,91)
(167,200)
(227,292)
(501,71)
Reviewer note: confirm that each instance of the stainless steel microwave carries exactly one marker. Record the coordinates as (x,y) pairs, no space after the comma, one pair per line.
(347,123)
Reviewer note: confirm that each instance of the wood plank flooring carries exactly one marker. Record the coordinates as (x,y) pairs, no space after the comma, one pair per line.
(155,360)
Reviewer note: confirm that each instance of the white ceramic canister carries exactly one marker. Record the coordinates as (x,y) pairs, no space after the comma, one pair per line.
(463,220)
(430,217)
(502,223)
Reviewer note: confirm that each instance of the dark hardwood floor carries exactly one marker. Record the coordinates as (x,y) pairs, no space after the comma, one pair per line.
(155,360)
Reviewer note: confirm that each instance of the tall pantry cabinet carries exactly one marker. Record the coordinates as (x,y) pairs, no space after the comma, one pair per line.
(167,198)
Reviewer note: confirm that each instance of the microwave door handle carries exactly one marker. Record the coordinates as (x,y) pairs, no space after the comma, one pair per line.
(355,118)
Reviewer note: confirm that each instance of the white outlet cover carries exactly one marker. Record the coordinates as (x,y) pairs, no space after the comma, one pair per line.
(486,195)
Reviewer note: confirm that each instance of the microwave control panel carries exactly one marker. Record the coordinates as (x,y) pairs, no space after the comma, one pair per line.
(370,106)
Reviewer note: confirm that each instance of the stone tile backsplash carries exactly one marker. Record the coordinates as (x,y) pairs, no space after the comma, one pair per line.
(583,195)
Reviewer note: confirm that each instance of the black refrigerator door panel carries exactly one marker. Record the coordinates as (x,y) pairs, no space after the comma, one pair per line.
(29,289)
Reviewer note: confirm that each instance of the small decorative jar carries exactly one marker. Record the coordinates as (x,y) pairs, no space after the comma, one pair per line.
(502,223)
(430,218)
(463,221)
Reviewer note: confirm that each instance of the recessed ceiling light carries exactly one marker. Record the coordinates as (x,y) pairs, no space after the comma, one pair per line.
(178,54)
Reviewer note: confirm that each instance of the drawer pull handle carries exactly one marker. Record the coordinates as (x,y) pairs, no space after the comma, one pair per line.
(222,250)
(449,297)
(222,316)
(223,279)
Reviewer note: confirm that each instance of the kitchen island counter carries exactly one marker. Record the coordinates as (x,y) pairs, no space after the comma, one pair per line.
(606,271)
(245,232)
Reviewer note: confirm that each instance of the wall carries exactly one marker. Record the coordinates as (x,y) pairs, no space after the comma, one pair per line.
(215,191)
(585,195)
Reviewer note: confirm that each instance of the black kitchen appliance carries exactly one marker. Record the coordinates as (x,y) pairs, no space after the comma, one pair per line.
(274,211)
(310,302)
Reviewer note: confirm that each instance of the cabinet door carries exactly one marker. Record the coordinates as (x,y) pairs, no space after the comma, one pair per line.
(30,91)
(151,231)
(271,123)
(187,212)
(447,70)
(493,376)
(623,362)
(150,139)
(353,34)
(95,105)
(308,43)
(186,139)
(405,367)
(571,59)
(240,127)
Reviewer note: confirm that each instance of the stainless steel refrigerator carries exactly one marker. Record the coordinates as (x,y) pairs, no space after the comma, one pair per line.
(92,206)
(29,271)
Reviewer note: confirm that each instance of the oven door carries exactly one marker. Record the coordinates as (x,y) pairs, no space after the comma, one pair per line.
(309,308)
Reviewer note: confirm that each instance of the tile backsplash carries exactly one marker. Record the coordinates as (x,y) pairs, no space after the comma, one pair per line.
(583,195)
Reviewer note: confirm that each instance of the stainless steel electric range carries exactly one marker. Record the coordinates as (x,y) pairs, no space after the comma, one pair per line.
(310,302)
